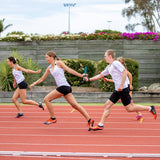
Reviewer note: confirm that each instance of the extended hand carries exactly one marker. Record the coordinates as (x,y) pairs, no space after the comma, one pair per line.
(31,86)
(38,71)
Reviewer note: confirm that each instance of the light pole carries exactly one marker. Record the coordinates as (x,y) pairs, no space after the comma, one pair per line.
(69,5)
(109,24)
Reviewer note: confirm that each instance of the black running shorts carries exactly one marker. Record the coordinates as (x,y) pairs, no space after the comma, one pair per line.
(23,85)
(64,90)
(123,95)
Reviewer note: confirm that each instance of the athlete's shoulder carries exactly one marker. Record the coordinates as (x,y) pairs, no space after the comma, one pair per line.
(117,63)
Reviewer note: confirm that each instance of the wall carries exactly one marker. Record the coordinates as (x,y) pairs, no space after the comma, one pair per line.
(146,52)
(84,97)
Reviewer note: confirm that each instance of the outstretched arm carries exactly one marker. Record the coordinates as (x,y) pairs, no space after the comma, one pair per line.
(41,79)
(106,79)
(66,68)
(28,70)
(99,76)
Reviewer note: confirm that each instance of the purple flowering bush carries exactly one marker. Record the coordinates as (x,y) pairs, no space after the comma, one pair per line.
(141,36)
(92,36)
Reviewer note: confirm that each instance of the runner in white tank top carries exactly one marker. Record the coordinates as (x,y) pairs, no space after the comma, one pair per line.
(58,74)
(22,85)
(56,68)
(118,73)
(17,75)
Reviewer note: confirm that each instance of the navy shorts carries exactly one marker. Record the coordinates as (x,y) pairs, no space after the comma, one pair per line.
(123,95)
(23,85)
(64,90)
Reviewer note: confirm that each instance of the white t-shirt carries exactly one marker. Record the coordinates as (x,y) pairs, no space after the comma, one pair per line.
(115,70)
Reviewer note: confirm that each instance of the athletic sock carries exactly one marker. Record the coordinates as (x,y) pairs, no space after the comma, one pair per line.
(53,118)
(100,124)
(150,108)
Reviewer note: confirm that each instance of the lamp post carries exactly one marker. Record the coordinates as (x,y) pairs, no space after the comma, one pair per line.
(69,5)
(109,24)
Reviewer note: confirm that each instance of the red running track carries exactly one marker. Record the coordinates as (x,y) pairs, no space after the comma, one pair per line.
(122,133)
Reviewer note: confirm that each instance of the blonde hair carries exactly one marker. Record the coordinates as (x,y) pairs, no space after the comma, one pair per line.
(52,54)
(122,60)
(111,52)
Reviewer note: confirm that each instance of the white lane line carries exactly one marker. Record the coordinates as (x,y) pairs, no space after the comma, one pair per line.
(89,145)
(115,136)
(58,157)
(61,128)
(78,122)
(80,154)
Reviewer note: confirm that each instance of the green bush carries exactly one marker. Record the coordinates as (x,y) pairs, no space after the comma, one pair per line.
(106,31)
(6,77)
(78,65)
(132,67)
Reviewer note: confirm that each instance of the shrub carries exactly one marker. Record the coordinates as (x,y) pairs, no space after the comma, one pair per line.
(99,35)
(6,77)
(78,65)
(132,67)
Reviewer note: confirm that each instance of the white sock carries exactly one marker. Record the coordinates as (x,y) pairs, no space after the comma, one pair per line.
(150,108)
(100,124)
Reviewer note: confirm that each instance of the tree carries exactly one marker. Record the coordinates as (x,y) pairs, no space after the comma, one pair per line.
(2,27)
(131,27)
(147,10)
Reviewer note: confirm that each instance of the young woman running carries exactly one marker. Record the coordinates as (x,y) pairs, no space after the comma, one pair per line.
(57,68)
(118,74)
(129,80)
(22,85)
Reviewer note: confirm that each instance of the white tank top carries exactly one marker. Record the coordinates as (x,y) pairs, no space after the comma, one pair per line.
(18,75)
(58,74)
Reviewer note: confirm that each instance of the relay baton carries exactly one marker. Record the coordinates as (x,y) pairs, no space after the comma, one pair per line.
(103,77)
(85,72)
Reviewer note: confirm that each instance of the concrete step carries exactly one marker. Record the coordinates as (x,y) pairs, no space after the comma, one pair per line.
(85,97)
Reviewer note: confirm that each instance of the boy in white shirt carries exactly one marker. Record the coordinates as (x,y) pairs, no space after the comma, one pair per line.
(119,77)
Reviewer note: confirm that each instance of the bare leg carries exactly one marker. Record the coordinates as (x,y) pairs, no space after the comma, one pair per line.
(16,95)
(136,108)
(23,98)
(72,101)
(48,98)
(107,111)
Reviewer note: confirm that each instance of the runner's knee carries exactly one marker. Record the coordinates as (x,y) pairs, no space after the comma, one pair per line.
(129,109)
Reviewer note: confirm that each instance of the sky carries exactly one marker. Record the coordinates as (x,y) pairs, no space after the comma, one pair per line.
(51,17)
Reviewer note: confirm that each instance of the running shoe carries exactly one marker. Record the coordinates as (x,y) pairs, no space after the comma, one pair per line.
(49,121)
(153,111)
(96,128)
(90,123)
(138,117)
(41,105)
(19,115)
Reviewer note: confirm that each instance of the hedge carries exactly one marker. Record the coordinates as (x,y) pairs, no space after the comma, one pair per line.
(78,65)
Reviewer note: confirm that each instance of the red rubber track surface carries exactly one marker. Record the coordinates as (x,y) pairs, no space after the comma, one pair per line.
(121,134)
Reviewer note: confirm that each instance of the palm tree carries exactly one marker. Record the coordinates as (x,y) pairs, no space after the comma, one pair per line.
(2,27)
